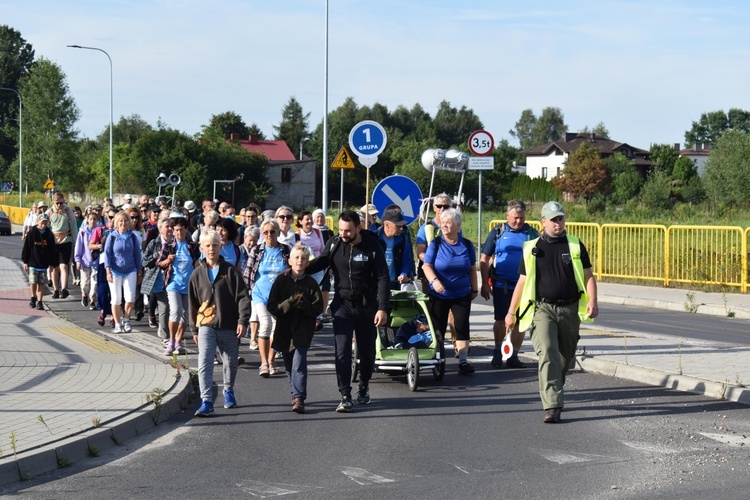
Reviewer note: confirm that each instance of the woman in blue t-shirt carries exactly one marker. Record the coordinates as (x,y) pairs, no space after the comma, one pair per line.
(266,261)
(178,258)
(450,268)
(227,230)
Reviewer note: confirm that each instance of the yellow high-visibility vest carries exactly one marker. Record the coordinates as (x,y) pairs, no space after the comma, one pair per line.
(528,295)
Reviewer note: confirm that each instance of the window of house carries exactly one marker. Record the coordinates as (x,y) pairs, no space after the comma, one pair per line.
(286,174)
(558,171)
(544,172)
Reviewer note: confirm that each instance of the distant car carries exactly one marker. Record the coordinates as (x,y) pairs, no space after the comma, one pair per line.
(5,227)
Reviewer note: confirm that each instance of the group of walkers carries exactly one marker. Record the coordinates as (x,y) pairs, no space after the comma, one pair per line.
(227,281)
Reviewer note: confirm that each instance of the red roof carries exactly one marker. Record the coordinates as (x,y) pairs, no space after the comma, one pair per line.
(274,150)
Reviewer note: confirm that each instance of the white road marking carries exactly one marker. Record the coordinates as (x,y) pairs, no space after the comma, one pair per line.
(264,490)
(574,458)
(730,439)
(652,448)
(459,468)
(363,477)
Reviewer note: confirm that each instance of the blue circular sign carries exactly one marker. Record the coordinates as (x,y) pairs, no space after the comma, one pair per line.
(398,190)
(367,139)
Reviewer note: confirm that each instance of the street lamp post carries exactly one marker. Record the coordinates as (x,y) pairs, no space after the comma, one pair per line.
(20,145)
(111,169)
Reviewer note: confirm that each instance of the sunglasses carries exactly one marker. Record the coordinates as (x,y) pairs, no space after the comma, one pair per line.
(267,233)
(285,216)
(442,207)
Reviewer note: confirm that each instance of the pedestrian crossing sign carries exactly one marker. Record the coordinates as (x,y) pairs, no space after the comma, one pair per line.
(343,159)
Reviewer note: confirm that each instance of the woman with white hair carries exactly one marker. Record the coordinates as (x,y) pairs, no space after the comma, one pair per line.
(287,235)
(265,263)
(451,271)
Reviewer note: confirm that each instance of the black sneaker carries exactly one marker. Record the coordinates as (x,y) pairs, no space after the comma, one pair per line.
(139,315)
(497,359)
(56,294)
(85,301)
(515,363)
(346,405)
(40,306)
(363,396)
(65,293)
(49,283)
(152,322)
(465,368)
(32,302)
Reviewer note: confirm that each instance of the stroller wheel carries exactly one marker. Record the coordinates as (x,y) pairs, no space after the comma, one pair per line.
(412,369)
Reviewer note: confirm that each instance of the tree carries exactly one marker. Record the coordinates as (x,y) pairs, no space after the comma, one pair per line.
(524,128)
(663,157)
(600,130)
(626,181)
(129,129)
(727,175)
(293,128)
(656,192)
(550,126)
(453,126)
(254,129)
(50,114)
(684,169)
(584,174)
(711,125)
(16,57)
(229,123)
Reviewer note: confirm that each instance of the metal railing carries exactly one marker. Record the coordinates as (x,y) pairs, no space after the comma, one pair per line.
(703,255)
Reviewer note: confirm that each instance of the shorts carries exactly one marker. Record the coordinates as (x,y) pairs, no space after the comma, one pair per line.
(64,251)
(37,277)
(501,300)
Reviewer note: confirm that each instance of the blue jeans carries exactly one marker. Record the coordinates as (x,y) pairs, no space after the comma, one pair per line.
(295,363)
(208,340)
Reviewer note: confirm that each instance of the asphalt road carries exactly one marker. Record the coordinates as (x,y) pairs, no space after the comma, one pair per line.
(479,436)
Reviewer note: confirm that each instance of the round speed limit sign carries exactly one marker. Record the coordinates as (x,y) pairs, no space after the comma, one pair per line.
(481,143)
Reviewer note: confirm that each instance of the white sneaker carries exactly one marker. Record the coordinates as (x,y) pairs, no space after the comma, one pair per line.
(126,326)
(118,328)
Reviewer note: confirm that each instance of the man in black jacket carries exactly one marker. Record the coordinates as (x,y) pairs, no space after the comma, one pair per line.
(360,304)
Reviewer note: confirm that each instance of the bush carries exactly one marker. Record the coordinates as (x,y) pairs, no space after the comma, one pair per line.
(597,205)
(656,192)
(538,189)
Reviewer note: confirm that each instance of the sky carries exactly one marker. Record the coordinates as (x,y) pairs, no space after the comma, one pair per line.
(646,69)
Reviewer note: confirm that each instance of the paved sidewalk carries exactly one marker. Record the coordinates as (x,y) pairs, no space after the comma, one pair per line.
(66,393)
(58,380)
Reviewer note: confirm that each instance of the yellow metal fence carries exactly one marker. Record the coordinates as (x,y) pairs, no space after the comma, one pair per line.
(714,255)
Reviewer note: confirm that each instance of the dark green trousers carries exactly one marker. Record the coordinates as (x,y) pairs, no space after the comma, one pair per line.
(555,339)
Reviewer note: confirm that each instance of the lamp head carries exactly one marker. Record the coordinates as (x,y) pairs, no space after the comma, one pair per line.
(432,157)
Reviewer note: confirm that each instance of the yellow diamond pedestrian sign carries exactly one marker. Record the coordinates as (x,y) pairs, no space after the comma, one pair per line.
(49,184)
(343,159)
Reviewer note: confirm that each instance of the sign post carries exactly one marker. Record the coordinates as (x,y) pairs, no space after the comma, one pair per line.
(367,139)
(343,161)
(481,143)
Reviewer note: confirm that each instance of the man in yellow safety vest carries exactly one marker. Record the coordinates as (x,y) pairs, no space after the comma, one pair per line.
(556,290)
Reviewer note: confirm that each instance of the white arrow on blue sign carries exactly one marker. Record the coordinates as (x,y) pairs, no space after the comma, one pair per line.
(367,139)
(398,190)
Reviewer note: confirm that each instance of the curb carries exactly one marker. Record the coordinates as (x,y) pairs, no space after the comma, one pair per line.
(710,310)
(92,442)
(658,378)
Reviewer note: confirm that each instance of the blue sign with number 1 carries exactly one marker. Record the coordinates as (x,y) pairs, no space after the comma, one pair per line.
(367,138)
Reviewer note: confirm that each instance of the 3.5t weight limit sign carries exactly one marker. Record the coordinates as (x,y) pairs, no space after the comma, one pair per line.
(481,143)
